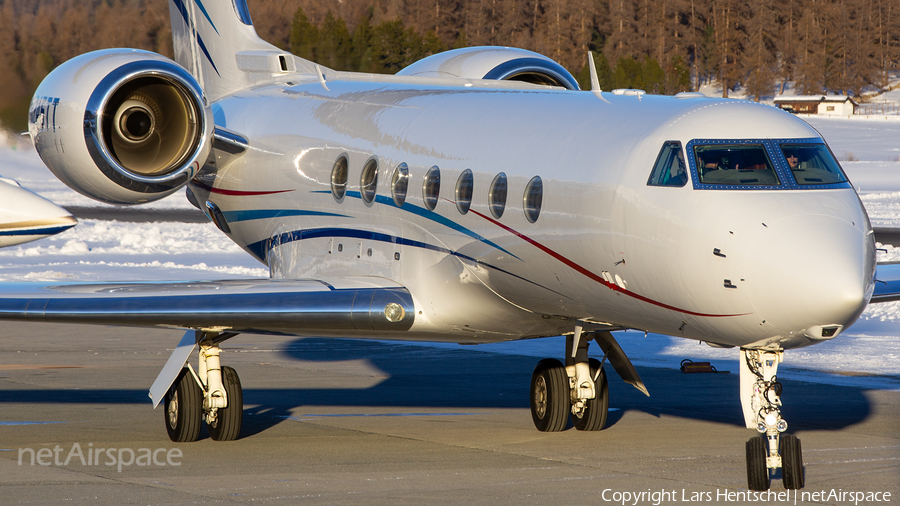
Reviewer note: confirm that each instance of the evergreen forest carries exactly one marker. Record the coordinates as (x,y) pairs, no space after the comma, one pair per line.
(661,46)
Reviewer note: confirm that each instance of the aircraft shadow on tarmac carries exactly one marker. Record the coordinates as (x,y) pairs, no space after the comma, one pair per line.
(426,377)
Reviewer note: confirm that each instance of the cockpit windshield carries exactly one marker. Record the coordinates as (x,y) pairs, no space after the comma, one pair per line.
(812,164)
(735,165)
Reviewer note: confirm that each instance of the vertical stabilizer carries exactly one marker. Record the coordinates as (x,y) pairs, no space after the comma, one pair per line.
(215,40)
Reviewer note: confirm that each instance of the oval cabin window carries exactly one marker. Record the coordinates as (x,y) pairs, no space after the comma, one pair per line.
(431,189)
(399,184)
(368,181)
(464,187)
(339,178)
(497,195)
(534,195)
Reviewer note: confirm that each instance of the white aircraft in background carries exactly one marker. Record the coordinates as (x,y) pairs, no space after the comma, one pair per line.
(475,197)
(26,216)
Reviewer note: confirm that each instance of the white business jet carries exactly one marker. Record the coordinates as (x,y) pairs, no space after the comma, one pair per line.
(475,197)
(26,216)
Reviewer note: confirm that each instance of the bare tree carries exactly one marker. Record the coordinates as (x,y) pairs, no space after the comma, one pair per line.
(759,62)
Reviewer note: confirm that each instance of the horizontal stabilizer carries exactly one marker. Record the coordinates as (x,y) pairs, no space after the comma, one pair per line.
(340,307)
(887,282)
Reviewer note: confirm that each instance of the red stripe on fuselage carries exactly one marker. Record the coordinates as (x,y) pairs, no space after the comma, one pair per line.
(238,193)
(595,277)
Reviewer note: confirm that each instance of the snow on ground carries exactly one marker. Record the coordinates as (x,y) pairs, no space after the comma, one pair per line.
(866,355)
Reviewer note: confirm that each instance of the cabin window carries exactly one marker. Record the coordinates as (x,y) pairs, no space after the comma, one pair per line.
(735,165)
(812,164)
(368,181)
(339,178)
(669,169)
(531,202)
(464,188)
(497,195)
(431,189)
(399,184)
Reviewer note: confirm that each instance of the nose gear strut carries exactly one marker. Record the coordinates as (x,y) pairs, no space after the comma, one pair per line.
(761,402)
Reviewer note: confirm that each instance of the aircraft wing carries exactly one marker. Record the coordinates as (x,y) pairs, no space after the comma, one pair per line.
(887,282)
(342,306)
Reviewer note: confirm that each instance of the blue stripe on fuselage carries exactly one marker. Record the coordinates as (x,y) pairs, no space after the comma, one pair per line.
(261,248)
(261,214)
(429,215)
(37,231)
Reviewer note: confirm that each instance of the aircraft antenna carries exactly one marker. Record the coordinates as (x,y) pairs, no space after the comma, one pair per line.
(321,77)
(595,82)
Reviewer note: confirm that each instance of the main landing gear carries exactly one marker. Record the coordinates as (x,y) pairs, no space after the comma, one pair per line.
(578,390)
(761,402)
(213,394)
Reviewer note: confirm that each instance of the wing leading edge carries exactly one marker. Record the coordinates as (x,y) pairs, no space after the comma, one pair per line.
(294,307)
(887,282)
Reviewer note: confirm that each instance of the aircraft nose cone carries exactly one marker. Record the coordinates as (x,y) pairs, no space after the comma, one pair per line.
(811,271)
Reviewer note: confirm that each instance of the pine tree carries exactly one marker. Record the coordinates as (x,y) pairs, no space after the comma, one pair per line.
(304,36)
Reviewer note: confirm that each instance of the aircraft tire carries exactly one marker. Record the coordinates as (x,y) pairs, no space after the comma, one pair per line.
(757,470)
(594,416)
(183,406)
(550,396)
(227,426)
(791,462)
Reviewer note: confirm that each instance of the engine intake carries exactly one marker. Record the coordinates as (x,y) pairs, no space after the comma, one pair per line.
(145,128)
(493,62)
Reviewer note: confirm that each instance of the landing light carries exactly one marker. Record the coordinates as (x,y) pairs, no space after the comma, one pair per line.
(394,312)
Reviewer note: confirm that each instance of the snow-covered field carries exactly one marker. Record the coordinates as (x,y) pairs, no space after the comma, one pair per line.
(867,355)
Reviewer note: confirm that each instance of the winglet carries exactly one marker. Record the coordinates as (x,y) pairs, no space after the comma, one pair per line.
(595,81)
(887,283)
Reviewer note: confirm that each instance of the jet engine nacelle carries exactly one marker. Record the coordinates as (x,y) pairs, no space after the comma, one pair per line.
(493,62)
(121,126)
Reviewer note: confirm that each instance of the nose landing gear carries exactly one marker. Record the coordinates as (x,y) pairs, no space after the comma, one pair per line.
(761,402)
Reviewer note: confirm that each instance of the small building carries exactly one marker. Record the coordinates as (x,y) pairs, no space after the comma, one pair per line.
(832,105)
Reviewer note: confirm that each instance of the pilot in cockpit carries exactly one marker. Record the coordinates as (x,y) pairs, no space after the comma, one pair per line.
(792,158)
(710,163)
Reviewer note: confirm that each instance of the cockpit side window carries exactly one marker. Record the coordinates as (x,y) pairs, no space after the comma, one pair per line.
(669,169)
(735,165)
(812,164)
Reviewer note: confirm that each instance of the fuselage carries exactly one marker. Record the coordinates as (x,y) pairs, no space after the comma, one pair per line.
(735,265)
(26,216)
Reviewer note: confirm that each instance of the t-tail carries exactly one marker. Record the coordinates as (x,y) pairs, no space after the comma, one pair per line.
(216,42)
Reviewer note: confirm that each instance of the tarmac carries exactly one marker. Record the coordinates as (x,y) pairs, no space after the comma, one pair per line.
(334,422)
